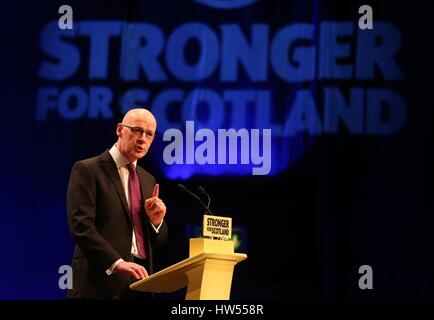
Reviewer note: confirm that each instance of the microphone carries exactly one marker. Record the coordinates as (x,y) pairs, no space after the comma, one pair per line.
(202,190)
(184,189)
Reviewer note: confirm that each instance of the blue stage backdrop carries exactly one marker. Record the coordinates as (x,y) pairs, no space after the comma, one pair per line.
(310,123)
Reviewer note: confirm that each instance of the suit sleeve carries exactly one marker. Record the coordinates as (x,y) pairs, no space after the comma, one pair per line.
(81,207)
(159,239)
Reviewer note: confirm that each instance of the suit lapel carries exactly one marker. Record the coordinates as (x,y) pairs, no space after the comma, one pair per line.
(112,171)
(146,186)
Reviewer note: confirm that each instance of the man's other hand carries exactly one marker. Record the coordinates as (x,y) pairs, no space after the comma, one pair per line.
(131,269)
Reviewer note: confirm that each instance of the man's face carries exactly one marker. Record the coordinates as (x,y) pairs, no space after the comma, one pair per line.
(136,134)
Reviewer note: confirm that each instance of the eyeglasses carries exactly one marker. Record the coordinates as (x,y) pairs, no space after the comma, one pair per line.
(139,131)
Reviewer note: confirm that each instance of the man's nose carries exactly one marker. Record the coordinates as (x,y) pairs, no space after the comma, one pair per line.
(141,138)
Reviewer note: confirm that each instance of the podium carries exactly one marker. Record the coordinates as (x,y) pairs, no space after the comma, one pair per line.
(207,273)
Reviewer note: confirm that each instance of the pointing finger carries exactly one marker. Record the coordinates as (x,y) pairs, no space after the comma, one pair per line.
(156,189)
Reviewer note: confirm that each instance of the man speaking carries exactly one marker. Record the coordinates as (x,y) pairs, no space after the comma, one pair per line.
(115,215)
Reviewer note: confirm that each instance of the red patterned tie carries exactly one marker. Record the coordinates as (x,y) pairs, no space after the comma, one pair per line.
(136,202)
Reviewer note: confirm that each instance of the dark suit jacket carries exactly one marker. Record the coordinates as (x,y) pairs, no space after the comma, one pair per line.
(101,226)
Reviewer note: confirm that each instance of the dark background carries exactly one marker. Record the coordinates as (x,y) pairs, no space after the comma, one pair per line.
(346,201)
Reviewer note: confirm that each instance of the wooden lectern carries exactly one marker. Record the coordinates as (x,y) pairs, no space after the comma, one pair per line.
(207,273)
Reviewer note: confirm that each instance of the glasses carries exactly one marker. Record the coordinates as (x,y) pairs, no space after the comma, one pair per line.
(139,131)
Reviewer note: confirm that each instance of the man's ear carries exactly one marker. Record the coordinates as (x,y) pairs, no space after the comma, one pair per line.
(119,131)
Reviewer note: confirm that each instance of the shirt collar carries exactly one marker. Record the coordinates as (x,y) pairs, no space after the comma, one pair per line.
(119,158)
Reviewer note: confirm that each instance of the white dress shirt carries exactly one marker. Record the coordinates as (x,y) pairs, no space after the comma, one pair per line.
(121,164)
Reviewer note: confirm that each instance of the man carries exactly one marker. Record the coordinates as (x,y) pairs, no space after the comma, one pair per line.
(115,215)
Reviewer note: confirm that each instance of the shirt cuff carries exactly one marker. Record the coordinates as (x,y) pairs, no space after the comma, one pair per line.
(110,270)
(157,229)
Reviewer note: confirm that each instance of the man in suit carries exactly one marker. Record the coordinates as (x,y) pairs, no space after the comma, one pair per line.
(115,215)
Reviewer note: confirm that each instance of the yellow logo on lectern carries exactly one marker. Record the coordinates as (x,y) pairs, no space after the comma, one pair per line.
(217,227)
